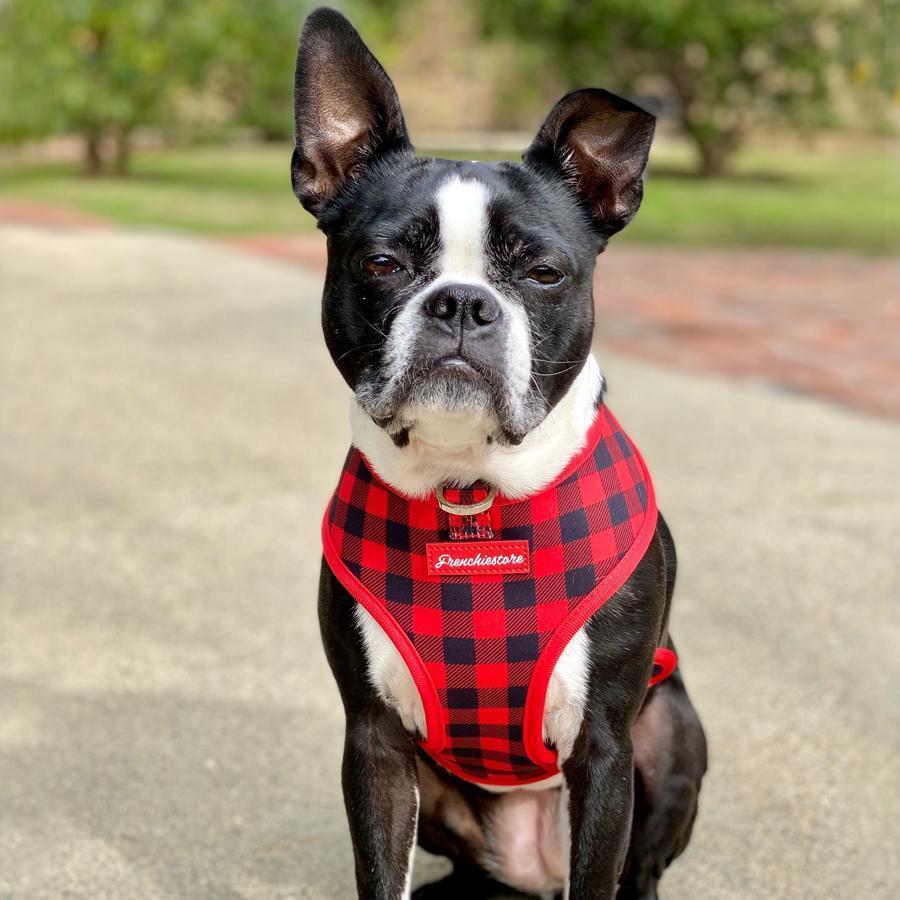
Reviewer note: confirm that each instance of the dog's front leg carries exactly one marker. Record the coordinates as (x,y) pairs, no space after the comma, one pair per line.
(599,777)
(381,795)
(379,776)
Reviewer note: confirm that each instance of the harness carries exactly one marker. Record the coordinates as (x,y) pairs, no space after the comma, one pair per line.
(480,593)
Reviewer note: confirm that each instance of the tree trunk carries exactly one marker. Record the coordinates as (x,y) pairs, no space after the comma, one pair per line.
(714,147)
(122,157)
(715,155)
(92,159)
(94,130)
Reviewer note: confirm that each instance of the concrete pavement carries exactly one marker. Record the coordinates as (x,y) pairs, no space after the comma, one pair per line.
(168,727)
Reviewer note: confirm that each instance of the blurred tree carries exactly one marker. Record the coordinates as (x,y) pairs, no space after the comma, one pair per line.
(98,68)
(729,67)
(255,50)
(103,68)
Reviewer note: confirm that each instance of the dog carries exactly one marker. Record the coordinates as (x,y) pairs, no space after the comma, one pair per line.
(458,308)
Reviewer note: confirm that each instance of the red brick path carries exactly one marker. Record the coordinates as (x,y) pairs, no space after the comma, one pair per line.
(29,212)
(818,323)
(824,323)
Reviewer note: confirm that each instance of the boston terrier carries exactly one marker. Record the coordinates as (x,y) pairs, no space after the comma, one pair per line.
(496,582)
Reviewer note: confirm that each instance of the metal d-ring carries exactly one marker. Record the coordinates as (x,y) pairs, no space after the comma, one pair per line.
(465,509)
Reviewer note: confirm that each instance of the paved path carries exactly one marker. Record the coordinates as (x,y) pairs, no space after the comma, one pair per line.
(168,729)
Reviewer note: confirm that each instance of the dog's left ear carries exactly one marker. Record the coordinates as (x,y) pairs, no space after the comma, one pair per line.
(346,112)
(598,143)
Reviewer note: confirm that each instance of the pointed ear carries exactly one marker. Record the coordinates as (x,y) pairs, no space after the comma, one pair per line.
(598,143)
(346,111)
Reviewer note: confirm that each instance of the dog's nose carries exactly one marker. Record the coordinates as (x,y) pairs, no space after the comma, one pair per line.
(463,306)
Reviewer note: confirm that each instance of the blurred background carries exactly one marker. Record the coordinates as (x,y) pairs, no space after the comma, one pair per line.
(774,116)
(777,126)
(172,426)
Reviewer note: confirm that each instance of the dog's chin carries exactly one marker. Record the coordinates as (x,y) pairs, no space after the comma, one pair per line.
(451,389)
(451,392)
(454,387)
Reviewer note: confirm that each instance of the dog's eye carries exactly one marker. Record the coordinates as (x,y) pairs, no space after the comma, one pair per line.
(545,275)
(380,265)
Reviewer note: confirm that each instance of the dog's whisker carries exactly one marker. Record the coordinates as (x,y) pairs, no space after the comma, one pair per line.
(373,327)
(360,349)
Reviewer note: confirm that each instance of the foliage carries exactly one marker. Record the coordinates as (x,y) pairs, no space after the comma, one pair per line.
(726,68)
(104,68)
(255,49)
(98,68)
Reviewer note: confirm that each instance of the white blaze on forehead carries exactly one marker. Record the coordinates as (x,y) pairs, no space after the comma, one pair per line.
(462,206)
(462,217)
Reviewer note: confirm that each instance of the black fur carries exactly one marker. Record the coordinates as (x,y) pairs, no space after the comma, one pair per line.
(597,143)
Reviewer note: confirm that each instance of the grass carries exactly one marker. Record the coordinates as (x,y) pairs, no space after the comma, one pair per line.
(847,199)
(844,199)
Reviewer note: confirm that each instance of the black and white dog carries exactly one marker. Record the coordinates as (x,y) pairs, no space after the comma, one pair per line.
(497,260)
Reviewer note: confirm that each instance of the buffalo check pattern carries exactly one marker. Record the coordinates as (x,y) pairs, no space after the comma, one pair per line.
(476,640)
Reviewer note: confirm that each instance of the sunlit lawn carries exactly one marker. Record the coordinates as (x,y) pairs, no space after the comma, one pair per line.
(828,199)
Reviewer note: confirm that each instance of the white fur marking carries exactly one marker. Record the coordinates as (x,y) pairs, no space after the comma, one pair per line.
(524,846)
(462,218)
(462,214)
(389,674)
(457,451)
(407,888)
(566,696)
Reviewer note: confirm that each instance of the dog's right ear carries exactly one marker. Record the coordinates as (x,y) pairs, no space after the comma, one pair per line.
(346,111)
(598,144)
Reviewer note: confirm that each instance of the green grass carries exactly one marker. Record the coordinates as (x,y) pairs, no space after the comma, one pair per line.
(846,199)
(829,199)
(229,190)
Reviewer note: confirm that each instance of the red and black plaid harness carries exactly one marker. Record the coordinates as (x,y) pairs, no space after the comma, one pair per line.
(480,605)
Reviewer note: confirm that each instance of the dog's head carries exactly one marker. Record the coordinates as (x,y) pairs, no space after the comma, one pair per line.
(456,286)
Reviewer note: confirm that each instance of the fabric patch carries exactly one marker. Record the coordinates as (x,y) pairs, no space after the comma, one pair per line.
(478,558)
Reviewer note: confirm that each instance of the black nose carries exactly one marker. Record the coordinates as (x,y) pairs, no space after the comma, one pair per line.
(462,306)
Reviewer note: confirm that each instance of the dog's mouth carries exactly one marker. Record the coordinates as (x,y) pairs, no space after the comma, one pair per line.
(455,383)
(459,367)
(451,382)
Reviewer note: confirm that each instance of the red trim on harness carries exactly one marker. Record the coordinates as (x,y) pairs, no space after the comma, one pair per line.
(666,661)
(540,677)
(433,742)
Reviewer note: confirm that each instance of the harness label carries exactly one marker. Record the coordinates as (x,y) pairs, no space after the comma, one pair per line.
(479,558)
